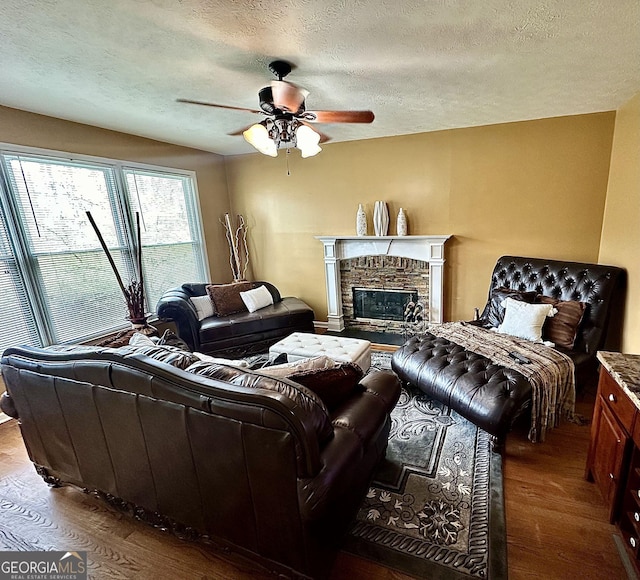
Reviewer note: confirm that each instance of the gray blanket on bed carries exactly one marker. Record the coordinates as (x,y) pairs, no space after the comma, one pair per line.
(550,372)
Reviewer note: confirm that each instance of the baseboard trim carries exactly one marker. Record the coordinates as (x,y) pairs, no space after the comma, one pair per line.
(624,556)
(320,324)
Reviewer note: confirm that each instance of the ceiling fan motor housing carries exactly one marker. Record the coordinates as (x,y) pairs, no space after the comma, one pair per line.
(266,100)
(280,68)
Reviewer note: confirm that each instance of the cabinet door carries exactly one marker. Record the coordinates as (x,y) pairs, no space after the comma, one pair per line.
(609,451)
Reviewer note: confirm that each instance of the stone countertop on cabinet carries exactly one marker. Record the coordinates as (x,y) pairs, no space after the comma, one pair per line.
(625,369)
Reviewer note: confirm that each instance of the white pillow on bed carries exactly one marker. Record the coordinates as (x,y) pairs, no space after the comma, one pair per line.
(525,320)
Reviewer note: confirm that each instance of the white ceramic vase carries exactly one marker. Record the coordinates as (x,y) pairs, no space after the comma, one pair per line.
(401,223)
(380,218)
(361,221)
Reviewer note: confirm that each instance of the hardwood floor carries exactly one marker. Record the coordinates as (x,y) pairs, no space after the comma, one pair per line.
(556,521)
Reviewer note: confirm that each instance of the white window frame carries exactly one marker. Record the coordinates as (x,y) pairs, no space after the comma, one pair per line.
(22,254)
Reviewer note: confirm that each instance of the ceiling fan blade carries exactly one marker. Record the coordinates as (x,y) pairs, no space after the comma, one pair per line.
(189,101)
(338,116)
(323,138)
(287,96)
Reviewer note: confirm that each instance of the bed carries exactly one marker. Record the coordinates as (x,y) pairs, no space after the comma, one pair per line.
(491,377)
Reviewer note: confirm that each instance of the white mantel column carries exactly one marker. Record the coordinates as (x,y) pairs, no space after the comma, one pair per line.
(335,316)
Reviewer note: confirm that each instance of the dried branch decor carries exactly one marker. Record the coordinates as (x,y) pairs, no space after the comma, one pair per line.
(238,250)
(133,292)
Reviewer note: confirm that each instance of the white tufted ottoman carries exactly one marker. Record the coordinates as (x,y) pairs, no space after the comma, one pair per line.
(300,345)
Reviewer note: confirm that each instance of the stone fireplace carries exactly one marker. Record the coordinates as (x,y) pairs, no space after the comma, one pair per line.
(381,275)
(375,291)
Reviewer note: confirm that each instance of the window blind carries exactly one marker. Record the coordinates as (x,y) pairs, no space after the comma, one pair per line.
(17,322)
(72,274)
(170,231)
(63,288)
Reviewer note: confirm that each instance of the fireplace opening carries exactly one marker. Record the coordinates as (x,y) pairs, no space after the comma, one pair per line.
(380,304)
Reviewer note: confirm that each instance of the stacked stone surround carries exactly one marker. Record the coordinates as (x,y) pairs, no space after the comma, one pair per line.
(382,273)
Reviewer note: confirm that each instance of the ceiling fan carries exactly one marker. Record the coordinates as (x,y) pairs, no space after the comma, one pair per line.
(287,120)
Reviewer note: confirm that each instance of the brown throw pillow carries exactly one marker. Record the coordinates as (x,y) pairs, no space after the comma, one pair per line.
(495,314)
(562,328)
(332,385)
(226,297)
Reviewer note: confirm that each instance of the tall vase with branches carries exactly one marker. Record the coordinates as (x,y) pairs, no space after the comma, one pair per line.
(238,249)
(133,292)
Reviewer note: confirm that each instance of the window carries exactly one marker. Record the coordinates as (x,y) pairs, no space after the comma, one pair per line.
(166,214)
(56,281)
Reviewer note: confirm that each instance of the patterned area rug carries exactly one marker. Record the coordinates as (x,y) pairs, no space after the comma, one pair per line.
(435,508)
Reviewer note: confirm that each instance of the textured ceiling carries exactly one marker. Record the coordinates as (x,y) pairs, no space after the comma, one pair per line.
(419,65)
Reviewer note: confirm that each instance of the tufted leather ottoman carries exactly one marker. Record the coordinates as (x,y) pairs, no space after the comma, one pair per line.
(489,395)
(300,345)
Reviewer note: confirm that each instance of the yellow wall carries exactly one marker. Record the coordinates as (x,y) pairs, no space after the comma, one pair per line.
(621,228)
(533,188)
(28,129)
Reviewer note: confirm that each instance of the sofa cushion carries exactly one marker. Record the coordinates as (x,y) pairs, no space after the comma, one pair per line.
(226,297)
(332,385)
(256,298)
(203,305)
(288,313)
(495,310)
(562,329)
(302,396)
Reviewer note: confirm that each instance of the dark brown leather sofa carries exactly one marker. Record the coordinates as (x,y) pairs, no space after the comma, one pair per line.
(239,333)
(267,472)
(490,395)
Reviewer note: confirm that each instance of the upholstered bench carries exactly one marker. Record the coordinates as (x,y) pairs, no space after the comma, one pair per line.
(301,345)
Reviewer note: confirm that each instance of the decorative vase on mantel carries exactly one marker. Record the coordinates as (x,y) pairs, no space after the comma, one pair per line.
(361,221)
(401,223)
(380,218)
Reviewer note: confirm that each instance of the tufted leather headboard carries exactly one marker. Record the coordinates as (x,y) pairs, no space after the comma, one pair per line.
(594,284)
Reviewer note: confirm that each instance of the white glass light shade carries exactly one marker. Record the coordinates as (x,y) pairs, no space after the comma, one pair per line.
(258,137)
(307,141)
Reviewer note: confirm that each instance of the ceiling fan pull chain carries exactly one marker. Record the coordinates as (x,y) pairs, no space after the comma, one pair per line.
(288,152)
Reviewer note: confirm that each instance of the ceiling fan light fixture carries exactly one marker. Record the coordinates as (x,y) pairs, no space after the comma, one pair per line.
(258,137)
(284,104)
(307,141)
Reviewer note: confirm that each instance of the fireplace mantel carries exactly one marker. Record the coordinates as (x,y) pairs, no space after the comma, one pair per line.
(429,249)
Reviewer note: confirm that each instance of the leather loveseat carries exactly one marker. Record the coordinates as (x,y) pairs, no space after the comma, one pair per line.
(248,462)
(492,396)
(240,333)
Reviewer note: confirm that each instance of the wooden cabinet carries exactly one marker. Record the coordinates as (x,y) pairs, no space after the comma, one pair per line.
(610,447)
(614,459)
(629,522)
